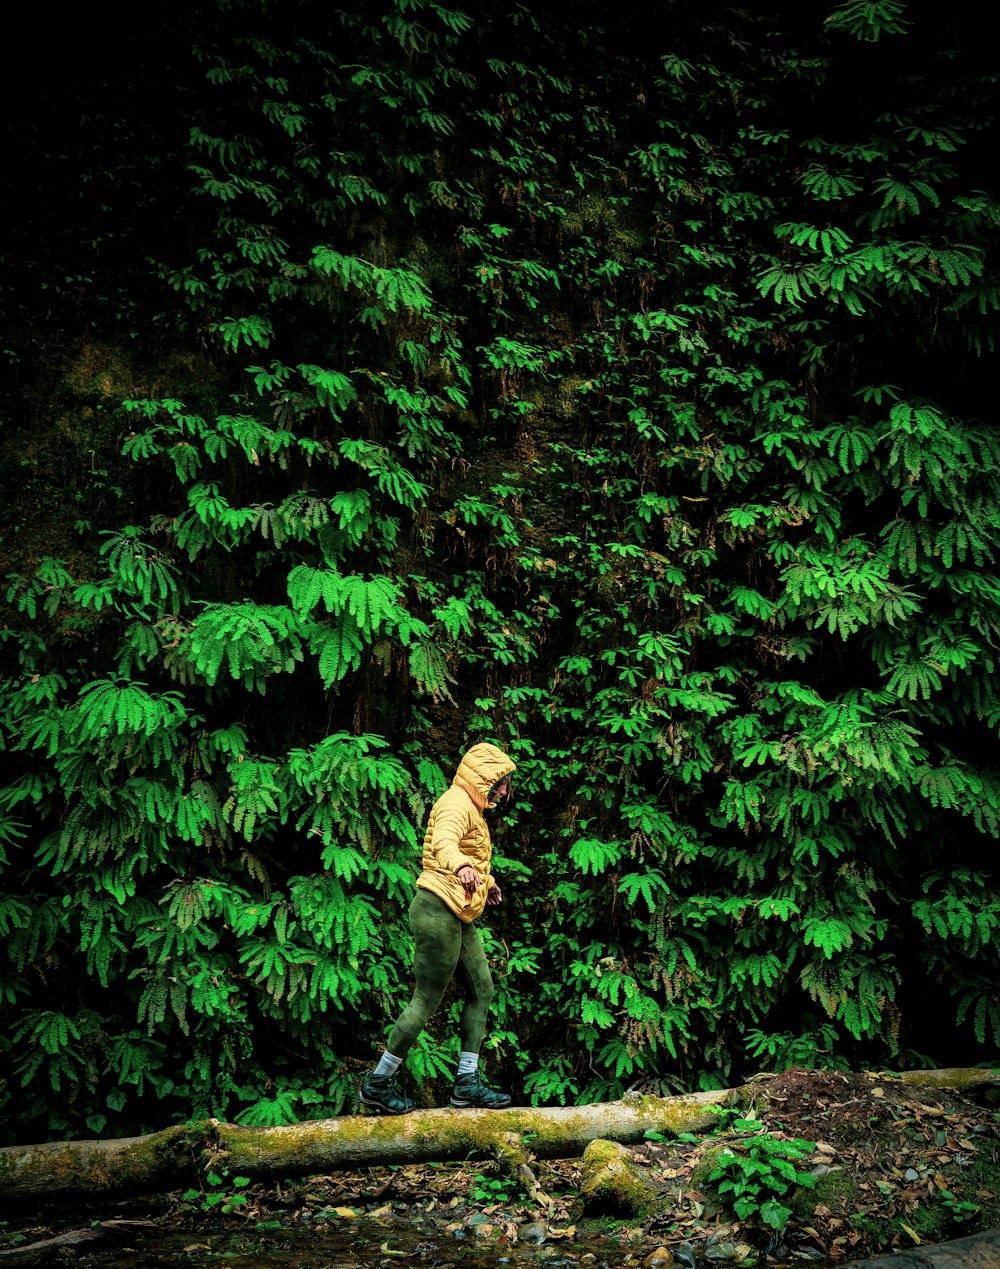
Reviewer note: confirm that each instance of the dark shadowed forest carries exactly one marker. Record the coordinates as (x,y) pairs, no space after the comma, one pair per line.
(383,378)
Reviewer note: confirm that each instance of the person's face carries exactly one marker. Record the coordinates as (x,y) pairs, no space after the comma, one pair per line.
(500,791)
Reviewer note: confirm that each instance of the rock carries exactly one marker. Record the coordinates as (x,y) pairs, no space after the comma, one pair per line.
(533,1232)
(979,1251)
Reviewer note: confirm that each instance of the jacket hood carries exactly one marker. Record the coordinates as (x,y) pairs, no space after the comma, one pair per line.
(480,769)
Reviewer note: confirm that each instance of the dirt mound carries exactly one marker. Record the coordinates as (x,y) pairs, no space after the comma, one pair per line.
(897,1164)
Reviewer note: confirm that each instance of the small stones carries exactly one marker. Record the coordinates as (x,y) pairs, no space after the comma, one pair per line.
(534,1232)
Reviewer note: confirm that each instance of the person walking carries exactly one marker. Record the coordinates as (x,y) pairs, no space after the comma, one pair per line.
(454,887)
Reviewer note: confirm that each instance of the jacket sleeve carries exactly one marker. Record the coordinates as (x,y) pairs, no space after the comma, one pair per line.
(450,825)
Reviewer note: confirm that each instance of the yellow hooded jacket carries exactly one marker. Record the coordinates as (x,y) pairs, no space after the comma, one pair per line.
(457,834)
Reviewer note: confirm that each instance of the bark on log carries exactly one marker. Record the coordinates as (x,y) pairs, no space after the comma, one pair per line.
(978,1251)
(170,1159)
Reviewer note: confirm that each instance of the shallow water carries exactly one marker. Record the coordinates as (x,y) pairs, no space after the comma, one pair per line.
(365,1243)
(361,1244)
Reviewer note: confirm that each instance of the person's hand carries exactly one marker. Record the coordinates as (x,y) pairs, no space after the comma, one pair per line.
(493,895)
(469,878)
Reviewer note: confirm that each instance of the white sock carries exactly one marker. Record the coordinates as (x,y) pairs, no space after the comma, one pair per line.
(387,1064)
(467,1063)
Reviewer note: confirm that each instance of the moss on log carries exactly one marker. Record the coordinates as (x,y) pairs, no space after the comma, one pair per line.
(612,1185)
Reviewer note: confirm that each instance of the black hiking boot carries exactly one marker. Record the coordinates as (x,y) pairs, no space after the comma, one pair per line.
(472,1090)
(382,1093)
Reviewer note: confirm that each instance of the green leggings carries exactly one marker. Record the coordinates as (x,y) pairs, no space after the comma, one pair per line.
(444,944)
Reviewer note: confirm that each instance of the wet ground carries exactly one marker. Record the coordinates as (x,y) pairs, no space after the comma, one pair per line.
(362,1245)
(479,1239)
(923,1165)
(442,1217)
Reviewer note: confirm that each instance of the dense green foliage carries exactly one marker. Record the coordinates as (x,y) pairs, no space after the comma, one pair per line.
(388,379)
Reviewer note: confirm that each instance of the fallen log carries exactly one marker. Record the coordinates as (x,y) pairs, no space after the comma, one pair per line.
(959,1078)
(175,1156)
(44,1249)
